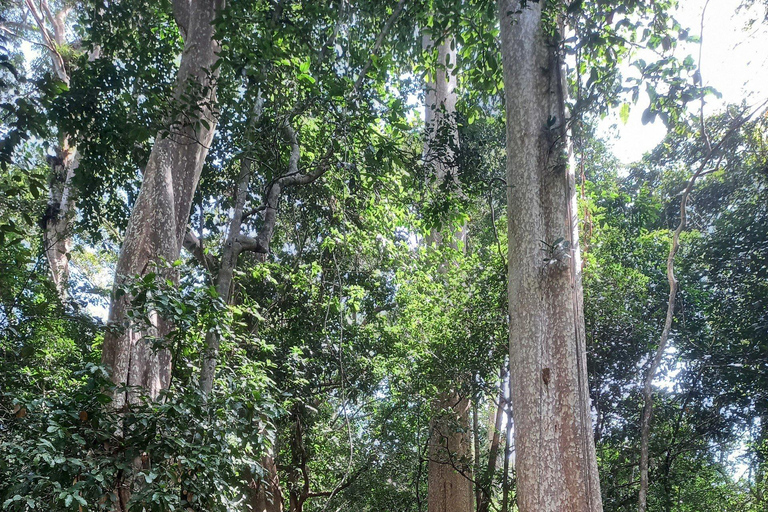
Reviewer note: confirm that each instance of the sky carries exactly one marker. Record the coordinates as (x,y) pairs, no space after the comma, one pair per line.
(734,61)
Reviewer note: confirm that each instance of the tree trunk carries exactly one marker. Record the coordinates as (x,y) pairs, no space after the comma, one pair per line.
(485,482)
(225,274)
(450,448)
(57,222)
(556,463)
(266,494)
(476,454)
(158,221)
(506,482)
(450,456)
(159,218)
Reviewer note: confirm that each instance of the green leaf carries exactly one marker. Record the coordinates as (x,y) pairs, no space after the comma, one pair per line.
(575,6)
(624,113)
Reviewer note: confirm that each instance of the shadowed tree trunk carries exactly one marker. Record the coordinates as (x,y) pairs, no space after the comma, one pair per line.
(450,448)
(485,481)
(555,454)
(266,494)
(449,483)
(507,481)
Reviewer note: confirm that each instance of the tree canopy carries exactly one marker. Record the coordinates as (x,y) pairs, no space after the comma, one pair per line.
(277,255)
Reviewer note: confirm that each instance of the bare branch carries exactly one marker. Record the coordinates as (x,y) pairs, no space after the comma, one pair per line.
(254,211)
(49,41)
(251,244)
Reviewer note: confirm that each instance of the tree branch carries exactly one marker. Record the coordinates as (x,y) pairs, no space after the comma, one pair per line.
(57,60)
(379,42)
(260,244)
(195,248)
(254,211)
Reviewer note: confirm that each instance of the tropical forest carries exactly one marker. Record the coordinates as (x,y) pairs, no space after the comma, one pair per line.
(384,255)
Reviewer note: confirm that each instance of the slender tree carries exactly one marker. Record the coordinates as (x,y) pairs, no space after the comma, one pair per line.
(450,447)
(57,221)
(556,464)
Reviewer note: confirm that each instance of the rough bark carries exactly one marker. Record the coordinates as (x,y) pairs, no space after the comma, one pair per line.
(450,456)
(266,494)
(158,222)
(555,454)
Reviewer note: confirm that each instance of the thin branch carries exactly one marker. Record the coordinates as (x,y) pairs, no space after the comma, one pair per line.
(57,60)
(254,211)
(195,248)
(379,42)
(711,151)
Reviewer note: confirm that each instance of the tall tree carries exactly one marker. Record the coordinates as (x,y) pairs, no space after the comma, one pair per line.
(556,464)
(450,480)
(158,221)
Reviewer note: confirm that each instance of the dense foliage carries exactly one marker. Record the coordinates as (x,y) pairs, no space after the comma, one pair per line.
(337,339)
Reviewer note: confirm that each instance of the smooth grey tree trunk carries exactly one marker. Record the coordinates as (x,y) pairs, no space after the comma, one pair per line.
(555,454)
(449,484)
